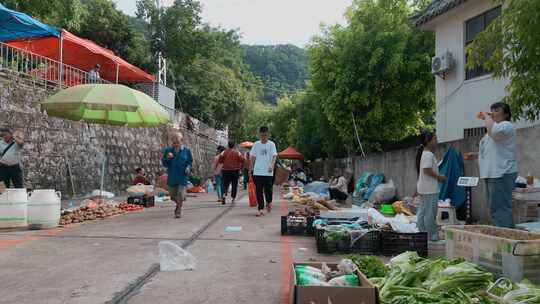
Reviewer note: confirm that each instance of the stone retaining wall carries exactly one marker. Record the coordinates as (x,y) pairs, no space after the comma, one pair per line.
(55,147)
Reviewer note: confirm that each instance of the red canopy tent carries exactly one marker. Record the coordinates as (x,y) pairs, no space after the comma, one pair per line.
(84,54)
(291,153)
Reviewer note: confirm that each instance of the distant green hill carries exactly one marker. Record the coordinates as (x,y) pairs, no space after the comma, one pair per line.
(282,68)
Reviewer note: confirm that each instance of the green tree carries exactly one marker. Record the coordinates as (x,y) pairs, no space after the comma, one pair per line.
(377,69)
(281,68)
(509,48)
(67,14)
(104,24)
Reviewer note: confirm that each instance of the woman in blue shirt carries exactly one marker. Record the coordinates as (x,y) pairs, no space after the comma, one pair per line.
(178,160)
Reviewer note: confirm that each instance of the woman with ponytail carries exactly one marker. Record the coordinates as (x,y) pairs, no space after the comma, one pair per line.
(427,186)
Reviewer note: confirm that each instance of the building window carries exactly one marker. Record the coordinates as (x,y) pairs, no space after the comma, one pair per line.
(474,132)
(473,27)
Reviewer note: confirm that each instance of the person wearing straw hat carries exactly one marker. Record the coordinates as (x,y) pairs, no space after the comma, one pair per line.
(11,145)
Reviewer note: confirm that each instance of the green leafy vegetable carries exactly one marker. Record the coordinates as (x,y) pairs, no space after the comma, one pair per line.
(370,266)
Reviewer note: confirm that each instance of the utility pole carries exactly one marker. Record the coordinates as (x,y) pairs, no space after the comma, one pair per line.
(162,62)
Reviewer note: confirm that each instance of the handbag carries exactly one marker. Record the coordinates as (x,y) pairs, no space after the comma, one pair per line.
(252,193)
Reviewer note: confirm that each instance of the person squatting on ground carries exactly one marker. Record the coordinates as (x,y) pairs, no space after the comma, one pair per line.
(140,177)
(427,187)
(263,159)
(338,186)
(178,160)
(232,161)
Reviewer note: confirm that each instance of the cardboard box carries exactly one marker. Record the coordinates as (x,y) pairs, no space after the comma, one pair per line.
(364,294)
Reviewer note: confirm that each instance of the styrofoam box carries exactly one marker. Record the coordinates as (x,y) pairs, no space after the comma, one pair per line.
(505,252)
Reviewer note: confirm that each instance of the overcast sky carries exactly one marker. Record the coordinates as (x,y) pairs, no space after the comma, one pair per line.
(267,21)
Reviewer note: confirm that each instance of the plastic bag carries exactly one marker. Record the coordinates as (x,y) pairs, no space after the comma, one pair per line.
(346,266)
(321,188)
(100,193)
(326,271)
(172,257)
(375,217)
(137,190)
(383,192)
(311,272)
(252,193)
(400,223)
(345,280)
(305,279)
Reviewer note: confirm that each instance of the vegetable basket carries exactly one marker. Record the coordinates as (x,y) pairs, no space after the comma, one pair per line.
(394,243)
(288,228)
(329,242)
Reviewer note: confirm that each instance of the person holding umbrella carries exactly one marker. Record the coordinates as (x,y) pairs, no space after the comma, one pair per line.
(178,161)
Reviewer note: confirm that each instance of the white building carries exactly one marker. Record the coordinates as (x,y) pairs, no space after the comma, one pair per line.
(461,93)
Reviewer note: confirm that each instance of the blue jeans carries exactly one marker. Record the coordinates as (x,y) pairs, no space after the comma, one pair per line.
(499,194)
(219,186)
(427,215)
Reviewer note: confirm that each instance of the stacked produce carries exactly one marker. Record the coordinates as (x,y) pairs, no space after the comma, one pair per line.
(312,276)
(90,212)
(130,207)
(410,279)
(314,202)
(306,211)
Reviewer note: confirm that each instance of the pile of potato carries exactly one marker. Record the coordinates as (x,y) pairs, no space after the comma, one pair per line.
(79,215)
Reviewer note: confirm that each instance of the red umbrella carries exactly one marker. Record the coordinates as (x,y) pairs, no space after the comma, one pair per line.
(291,153)
(247,145)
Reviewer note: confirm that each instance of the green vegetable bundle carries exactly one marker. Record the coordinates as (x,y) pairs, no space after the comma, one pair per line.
(370,266)
(414,280)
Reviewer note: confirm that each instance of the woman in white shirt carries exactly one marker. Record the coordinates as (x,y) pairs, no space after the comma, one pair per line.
(427,186)
(497,162)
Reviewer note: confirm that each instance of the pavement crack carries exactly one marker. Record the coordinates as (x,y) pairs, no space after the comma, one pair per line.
(132,289)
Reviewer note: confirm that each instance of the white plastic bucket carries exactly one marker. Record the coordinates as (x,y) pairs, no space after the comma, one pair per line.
(43,209)
(13,208)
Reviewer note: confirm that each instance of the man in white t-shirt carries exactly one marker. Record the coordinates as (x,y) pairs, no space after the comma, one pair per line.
(263,159)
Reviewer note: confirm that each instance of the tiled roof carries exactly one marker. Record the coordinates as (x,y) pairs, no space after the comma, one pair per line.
(435,9)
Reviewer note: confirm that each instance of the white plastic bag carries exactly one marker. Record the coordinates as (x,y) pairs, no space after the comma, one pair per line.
(99,193)
(347,266)
(172,257)
(400,223)
(375,217)
(383,192)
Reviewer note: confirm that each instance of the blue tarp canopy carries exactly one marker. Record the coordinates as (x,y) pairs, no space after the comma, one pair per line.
(16,25)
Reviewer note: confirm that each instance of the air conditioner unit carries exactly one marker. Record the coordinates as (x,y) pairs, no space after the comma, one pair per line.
(442,64)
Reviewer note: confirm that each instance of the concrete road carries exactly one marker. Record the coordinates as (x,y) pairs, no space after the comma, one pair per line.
(115,260)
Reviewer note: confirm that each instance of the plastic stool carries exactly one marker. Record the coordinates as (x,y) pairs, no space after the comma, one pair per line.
(451,218)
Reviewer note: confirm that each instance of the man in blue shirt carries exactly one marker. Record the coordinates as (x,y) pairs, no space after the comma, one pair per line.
(178,160)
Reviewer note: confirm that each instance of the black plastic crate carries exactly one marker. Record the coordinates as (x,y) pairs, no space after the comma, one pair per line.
(308,230)
(145,201)
(370,243)
(394,243)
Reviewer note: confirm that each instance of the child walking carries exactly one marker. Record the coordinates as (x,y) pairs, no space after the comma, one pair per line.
(427,186)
